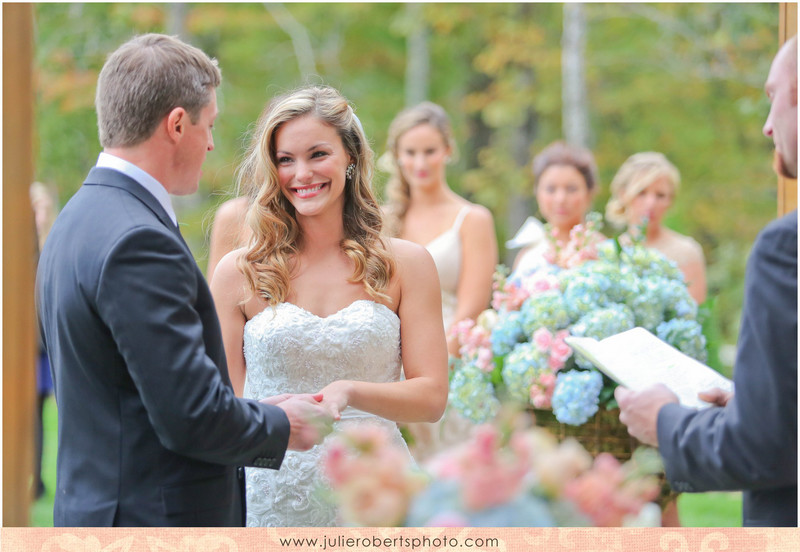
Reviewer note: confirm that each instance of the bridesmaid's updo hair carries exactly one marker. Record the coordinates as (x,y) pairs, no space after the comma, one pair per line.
(562,154)
(268,262)
(397,188)
(637,173)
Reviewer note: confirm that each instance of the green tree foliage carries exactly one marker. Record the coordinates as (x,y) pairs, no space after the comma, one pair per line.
(683,79)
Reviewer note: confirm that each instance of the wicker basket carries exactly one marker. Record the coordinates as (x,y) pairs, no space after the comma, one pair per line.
(602,433)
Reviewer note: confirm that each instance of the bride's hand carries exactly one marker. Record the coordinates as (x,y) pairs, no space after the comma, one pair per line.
(277,399)
(336,396)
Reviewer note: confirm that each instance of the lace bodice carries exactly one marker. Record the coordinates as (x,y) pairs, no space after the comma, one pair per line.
(290,350)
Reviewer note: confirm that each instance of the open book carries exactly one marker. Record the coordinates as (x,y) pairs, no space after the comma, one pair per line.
(637,359)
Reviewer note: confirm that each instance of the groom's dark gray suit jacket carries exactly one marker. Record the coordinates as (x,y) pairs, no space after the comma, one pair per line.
(150,432)
(751,444)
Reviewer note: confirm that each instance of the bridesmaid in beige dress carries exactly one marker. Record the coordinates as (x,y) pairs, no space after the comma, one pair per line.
(459,235)
(644,189)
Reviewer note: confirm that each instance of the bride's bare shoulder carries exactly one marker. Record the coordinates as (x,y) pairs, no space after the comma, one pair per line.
(227,271)
(411,258)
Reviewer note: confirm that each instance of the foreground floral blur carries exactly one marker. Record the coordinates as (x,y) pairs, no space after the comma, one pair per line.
(506,475)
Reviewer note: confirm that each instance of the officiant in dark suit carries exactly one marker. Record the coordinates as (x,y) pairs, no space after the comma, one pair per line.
(749,441)
(150,432)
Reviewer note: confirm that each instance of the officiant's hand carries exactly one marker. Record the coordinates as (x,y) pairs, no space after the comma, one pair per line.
(639,410)
(309,420)
(715,396)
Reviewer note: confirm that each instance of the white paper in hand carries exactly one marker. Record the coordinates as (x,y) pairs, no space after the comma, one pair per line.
(638,359)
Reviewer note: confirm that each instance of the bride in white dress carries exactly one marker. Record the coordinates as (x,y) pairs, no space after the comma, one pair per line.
(321,301)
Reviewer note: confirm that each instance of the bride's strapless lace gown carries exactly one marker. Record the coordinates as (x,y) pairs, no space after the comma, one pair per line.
(290,350)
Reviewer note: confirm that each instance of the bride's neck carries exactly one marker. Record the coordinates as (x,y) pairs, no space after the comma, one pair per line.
(320,235)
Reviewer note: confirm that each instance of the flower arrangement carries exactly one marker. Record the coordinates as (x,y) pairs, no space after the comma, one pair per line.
(592,287)
(500,478)
(372,479)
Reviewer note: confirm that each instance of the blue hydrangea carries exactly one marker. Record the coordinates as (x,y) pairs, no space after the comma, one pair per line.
(584,293)
(649,262)
(507,332)
(678,303)
(648,304)
(544,310)
(602,323)
(625,286)
(517,277)
(521,368)
(685,335)
(607,252)
(576,396)
(620,282)
(443,497)
(472,394)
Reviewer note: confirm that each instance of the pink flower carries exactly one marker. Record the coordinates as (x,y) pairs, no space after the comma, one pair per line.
(560,350)
(539,398)
(605,494)
(370,476)
(543,339)
(485,359)
(542,390)
(509,297)
(375,500)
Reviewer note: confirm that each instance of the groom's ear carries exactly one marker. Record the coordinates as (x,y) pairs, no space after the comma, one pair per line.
(176,122)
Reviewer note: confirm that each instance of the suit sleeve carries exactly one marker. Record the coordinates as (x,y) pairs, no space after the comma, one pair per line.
(146,295)
(752,442)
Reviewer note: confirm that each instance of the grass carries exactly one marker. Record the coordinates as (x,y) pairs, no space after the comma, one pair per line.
(42,509)
(695,510)
(710,509)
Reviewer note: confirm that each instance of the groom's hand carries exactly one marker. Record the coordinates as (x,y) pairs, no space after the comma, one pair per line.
(309,421)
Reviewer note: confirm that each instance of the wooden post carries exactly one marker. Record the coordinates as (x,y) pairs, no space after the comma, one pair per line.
(787,28)
(19,249)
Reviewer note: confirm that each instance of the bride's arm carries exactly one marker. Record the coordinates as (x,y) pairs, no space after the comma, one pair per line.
(227,288)
(422,396)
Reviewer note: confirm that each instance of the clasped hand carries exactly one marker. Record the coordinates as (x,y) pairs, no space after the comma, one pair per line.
(310,418)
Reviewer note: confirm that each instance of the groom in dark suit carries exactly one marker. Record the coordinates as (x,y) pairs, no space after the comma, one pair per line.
(749,442)
(150,432)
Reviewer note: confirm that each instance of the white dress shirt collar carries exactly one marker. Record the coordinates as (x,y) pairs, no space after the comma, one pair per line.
(108,161)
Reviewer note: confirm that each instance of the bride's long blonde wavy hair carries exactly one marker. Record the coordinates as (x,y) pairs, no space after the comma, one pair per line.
(268,261)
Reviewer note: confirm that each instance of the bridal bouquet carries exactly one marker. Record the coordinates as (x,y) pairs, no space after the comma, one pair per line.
(500,478)
(590,287)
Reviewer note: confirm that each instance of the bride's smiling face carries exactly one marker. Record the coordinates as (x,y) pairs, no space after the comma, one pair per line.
(311,162)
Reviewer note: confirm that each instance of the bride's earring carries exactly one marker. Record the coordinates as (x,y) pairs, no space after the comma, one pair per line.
(351,170)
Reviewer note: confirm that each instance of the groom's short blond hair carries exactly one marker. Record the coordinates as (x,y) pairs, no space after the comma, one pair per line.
(146,78)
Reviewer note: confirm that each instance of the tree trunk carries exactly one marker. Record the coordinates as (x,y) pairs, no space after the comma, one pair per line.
(575,117)
(418,56)
(520,205)
(176,19)
(301,42)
